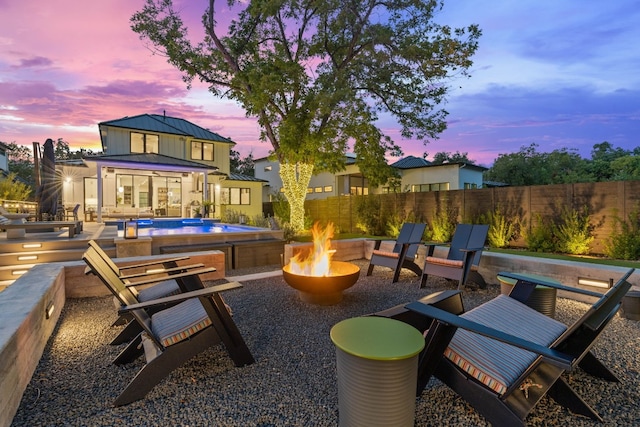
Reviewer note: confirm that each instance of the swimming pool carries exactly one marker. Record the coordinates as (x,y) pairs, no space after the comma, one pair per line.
(179,226)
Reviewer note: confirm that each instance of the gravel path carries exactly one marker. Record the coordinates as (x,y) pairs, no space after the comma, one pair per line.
(293,382)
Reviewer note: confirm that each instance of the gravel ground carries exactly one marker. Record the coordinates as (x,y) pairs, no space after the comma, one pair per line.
(293,382)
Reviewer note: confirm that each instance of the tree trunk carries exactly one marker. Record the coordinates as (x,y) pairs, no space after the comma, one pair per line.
(295,179)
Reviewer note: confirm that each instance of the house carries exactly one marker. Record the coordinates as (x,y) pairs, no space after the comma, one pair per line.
(158,166)
(321,186)
(416,174)
(4,159)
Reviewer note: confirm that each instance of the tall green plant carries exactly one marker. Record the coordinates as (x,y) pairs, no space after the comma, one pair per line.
(540,237)
(502,229)
(12,189)
(369,215)
(624,241)
(442,225)
(574,231)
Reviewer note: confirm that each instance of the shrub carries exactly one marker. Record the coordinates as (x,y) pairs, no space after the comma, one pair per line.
(442,226)
(624,241)
(280,207)
(369,217)
(574,231)
(501,228)
(396,221)
(540,237)
(13,189)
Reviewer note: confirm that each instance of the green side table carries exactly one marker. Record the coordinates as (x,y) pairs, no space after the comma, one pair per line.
(377,367)
(543,298)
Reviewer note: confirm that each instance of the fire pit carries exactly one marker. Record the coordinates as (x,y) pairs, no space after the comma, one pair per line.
(318,279)
(323,290)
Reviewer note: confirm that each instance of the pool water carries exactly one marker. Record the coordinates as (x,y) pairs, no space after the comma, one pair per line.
(177,226)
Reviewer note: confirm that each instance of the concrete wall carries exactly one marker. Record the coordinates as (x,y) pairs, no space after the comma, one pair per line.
(25,328)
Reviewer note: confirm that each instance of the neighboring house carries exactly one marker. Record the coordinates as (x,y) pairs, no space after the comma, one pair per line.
(156,165)
(416,174)
(321,186)
(4,159)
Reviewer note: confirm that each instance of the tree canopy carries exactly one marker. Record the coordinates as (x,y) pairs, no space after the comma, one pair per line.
(531,167)
(317,75)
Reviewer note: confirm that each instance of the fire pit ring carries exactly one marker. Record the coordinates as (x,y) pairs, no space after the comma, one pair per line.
(324,290)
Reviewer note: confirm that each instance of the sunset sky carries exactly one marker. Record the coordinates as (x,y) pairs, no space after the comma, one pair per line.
(558,74)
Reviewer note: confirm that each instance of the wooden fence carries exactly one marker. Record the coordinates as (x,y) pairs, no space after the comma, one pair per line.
(605,202)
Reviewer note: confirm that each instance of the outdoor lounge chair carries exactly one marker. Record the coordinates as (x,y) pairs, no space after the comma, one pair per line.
(162,289)
(403,254)
(462,259)
(502,357)
(174,335)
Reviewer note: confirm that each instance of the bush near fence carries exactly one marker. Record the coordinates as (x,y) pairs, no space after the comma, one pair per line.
(605,202)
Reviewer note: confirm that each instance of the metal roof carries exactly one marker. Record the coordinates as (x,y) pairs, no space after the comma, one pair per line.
(411,162)
(240,177)
(165,124)
(149,159)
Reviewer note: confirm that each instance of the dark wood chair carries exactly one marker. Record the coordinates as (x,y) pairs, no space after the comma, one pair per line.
(502,357)
(193,322)
(139,271)
(403,253)
(462,259)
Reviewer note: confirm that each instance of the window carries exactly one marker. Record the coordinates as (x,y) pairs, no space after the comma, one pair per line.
(317,190)
(470,185)
(309,190)
(328,188)
(144,143)
(235,196)
(441,186)
(201,150)
(267,168)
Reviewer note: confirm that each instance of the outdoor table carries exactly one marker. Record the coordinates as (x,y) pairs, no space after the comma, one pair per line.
(543,298)
(377,366)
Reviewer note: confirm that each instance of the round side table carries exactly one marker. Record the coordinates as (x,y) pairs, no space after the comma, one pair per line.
(377,366)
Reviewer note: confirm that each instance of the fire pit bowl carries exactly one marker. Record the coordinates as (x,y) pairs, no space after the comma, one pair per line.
(325,290)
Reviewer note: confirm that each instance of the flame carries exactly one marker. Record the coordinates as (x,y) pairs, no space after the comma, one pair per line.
(318,261)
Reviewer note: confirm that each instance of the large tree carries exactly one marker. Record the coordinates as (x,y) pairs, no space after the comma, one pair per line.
(318,74)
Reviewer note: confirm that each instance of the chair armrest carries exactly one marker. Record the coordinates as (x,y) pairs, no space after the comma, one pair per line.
(538,281)
(555,357)
(160,261)
(162,271)
(182,297)
(151,280)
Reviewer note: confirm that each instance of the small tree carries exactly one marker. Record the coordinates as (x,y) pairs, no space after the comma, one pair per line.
(317,75)
(624,241)
(574,232)
(12,189)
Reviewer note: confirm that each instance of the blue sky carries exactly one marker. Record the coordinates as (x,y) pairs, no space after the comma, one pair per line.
(558,74)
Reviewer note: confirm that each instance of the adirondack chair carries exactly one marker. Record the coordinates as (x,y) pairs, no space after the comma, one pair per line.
(198,320)
(502,357)
(462,259)
(162,289)
(403,254)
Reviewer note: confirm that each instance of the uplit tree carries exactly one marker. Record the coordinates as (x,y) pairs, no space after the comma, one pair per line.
(317,75)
